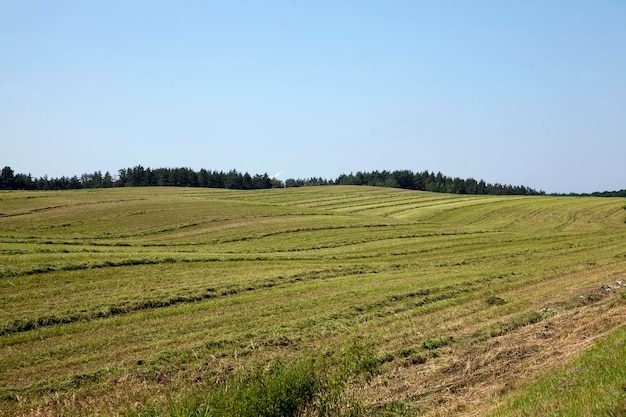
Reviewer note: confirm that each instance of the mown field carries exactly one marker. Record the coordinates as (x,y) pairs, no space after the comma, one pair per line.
(129,301)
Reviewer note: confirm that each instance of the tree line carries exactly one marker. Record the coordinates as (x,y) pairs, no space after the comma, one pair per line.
(434,182)
(139,176)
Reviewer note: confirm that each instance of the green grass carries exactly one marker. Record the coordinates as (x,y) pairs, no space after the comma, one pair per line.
(119,297)
(309,386)
(593,384)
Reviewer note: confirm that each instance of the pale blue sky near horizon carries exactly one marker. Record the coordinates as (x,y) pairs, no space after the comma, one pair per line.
(525,93)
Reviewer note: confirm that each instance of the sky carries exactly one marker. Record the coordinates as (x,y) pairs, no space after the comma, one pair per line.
(526,93)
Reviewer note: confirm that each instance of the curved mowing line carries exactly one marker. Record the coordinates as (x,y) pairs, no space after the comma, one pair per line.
(298,230)
(48,208)
(362,205)
(504,250)
(403,213)
(408,301)
(208,222)
(444,206)
(358,208)
(89,240)
(225,257)
(329,204)
(369,240)
(263,235)
(341,199)
(315,202)
(24,325)
(106,264)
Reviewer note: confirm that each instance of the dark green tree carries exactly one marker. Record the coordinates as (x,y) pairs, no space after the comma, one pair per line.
(107,181)
(6,179)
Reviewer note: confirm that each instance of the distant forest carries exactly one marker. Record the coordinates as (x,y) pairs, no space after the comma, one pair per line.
(235,180)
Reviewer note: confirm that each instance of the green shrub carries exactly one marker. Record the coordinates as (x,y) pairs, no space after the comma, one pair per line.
(309,386)
(281,390)
(433,344)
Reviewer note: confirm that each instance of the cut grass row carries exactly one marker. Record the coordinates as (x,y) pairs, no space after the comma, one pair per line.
(153,282)
(190,284)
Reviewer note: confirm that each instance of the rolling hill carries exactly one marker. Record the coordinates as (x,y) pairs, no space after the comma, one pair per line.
(127,300)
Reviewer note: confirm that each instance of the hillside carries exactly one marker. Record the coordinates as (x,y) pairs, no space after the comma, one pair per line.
(127,298)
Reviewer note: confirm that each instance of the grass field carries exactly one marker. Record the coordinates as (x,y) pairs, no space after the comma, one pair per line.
(132,300)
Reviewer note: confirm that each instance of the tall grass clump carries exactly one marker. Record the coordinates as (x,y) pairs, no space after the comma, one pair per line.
(281,390)
(306,387)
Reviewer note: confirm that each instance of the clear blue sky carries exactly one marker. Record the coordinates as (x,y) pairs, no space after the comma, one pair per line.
(524,93)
